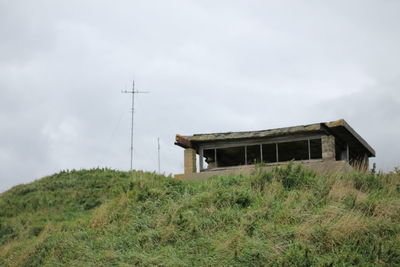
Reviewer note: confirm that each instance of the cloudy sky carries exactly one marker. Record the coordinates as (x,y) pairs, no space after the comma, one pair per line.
(211,66)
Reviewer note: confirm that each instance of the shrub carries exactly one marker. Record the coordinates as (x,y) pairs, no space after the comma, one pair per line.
(6,232)
(260,179)
(236,197)
(367,181)
(297,176)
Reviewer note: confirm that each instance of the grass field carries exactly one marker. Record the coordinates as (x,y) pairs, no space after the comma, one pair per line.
(289,216)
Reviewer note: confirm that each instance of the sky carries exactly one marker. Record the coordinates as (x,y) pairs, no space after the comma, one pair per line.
(210,66)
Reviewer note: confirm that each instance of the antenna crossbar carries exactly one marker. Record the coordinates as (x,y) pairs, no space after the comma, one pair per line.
(133,92)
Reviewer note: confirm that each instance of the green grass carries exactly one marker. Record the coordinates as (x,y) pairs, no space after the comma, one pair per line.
(289,216)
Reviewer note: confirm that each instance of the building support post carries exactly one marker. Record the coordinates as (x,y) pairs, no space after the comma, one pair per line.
(190,160)
(328,147)
(215,155)
(245,155)
(201,159)
(365,162)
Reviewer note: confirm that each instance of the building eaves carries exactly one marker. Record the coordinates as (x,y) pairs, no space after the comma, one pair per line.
(189,141)
(339,128)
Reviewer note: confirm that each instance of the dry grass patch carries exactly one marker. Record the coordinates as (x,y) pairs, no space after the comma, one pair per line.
(346,227)
(342,190)
(5,249)
(333,226)
(273,188)
(306,230)
(104,214)
(101,216)
(232,242)
(388,210)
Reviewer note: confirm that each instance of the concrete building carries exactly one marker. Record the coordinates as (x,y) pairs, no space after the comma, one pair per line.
(323,147)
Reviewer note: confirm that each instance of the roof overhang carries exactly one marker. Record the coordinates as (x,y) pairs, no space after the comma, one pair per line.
(340,129)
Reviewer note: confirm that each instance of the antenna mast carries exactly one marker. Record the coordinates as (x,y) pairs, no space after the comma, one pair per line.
(158,147)
(133,92)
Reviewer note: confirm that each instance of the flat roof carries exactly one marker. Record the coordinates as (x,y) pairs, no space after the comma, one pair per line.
(340,129)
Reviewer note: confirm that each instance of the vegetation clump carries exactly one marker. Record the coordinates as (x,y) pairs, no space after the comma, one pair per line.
(288,216)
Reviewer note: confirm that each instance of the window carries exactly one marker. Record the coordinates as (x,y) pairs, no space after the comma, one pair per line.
(297,150)
(209,155)
(316,149)
(253,154)
(231,156)
(269,153)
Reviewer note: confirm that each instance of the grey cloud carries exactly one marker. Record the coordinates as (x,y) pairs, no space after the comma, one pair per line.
(210,66)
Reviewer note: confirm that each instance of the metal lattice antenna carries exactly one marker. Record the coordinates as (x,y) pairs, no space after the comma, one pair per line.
(133,92)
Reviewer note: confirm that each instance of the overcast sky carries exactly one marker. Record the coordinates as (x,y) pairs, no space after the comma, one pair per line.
(211,66)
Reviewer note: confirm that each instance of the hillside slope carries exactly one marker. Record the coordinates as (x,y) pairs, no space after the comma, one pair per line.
(285,217)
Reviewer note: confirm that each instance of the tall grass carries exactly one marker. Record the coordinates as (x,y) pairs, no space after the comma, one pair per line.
(288,216)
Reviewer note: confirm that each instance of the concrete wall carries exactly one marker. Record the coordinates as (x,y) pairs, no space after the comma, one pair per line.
(319,166)
(189,161)
(327,164)
(328,147)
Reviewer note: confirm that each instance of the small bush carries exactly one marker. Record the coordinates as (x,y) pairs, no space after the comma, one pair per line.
(367,181)
(293,177)
(233,198)
(6,232)
(36,230)
(260,179)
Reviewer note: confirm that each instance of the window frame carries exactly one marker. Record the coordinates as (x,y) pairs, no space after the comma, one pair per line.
(245,144)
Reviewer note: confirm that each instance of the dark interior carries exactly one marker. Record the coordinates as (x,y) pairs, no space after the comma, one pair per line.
(297,150)
(316,148)
(287,151)
(232,156)
(253,154)
(269,153)
(209,154)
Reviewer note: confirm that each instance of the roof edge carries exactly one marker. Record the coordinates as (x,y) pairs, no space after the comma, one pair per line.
(343,123)
(182,141)
(190,141)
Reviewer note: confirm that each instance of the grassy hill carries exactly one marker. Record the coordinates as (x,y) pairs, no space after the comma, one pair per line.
(289,216)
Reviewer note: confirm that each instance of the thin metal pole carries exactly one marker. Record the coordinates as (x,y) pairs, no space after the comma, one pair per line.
(277,153)
(158,147)
(261,154)
(133,92)
(309,149)
(132,116)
